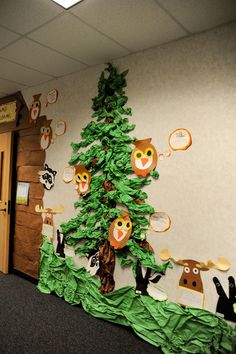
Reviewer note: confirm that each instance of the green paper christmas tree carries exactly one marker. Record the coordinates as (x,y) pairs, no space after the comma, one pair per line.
(105,150)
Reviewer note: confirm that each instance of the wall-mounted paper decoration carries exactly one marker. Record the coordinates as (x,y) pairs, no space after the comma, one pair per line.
(68,174)
(226,305)
(60,244)
(48,225)
(180,139)
(190,284)
(69,251)
(144,157)
(35,109)
(145,278)
(52,97)
(120,230)
(47,177)
(60,128)
(46,134)
(159,221)
(93,262)
(22,193)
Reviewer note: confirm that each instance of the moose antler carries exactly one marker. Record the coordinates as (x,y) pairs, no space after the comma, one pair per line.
(223,264)
(58,210)
(165,256)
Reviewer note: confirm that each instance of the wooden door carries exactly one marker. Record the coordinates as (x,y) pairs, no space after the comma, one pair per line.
(5,196)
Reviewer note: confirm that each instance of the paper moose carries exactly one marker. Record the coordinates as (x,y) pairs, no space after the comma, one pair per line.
(226,306)
(144,157)
(120,231)
(191,291)
(35,109)
(81,177)
(48,226)
(145,278)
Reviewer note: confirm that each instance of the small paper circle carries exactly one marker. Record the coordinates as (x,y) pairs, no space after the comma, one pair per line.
(60,127)
(68,174)
(52,96)
(180,139)
(160,221)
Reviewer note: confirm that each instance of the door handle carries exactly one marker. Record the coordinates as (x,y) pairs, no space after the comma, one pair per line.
(3,209)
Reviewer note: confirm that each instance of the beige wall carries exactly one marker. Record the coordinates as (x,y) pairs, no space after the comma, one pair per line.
(189,83)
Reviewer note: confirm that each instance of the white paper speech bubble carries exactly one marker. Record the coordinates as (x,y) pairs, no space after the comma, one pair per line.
(160,221)
(52,97)
(68,174)
(60,128)
(180,139)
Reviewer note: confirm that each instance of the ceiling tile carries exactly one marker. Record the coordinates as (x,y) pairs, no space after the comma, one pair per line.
(199,15)
(135,24)
(8,87)
(24,15)
(18,73)
(7,37)
(72,37)
(35,56)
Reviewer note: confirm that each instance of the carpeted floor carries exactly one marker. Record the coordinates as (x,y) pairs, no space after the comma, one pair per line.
(31,322)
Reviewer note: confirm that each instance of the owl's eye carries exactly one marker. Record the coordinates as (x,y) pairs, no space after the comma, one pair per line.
(149,152)
(128,225)
(36,104)
(47,130)
(119,223)
(78,177)
(85,177)
(42,130)
(138,154)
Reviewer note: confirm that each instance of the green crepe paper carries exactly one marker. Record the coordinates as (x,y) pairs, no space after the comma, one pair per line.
(165,325)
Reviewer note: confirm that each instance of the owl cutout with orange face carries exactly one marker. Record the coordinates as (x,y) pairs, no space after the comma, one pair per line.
(35,109)
(82,179)
(144,157)
(46,135)
(120,231)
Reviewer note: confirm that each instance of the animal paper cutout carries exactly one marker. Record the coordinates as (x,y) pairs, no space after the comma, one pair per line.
(60,244)
(226,305)
(46,134)
(180,139)
(60,128)
(93,262)
(47,177)
(144,157)
(48,225)
(120,230)
(190,284)
(145,278)
(35,109)
(52,97)
(159,221)
(80,176)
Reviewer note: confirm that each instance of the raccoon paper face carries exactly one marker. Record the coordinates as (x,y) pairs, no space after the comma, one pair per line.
(144,157)
(47,177)
(120,231)
(82,179)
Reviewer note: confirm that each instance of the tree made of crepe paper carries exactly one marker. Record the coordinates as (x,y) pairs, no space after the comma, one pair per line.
(105,149)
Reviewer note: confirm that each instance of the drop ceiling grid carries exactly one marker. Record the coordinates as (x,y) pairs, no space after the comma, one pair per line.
(39,40)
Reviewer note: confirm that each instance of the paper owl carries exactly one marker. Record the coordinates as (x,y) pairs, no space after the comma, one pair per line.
(144,157)
(120,231)
(46,135)
(82,179)
(35,109)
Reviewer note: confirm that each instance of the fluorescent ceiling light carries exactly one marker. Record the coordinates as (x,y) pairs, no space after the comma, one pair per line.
(67,3)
